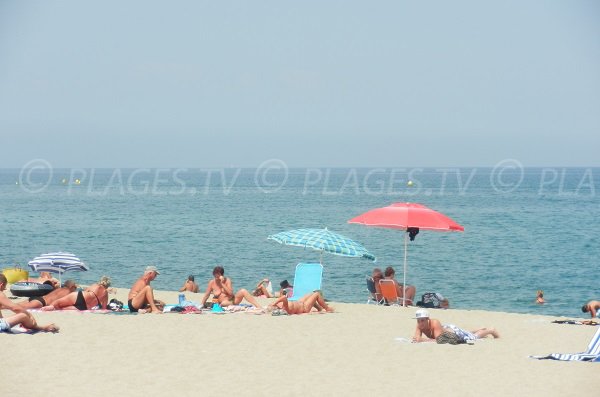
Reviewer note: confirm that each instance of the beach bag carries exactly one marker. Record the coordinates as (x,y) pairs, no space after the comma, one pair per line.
(431,300)
(115,305)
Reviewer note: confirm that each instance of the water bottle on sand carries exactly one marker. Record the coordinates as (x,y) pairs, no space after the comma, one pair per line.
(181,299)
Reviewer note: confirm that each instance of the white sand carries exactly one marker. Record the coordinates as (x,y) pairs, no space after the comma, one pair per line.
(352,352)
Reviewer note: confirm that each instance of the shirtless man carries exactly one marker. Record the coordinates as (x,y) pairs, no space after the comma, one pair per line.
(36,302)
(141,295)
(222,290)
(429,329)
(93,297)
(21,316)
(592,307)
(302,305)
(189,285)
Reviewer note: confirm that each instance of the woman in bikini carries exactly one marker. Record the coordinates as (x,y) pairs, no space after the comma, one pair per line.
(222,290)
(93,297)
(302,305)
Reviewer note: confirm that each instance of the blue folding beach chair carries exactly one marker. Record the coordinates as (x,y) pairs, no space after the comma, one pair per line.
(307,279)
(591,354)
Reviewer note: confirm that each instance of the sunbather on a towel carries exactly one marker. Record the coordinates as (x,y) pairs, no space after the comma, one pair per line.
(302,305)
(21,316)
(93,297)
(36,302)
(592,307)
(141,295)
(221,288)
(429,329)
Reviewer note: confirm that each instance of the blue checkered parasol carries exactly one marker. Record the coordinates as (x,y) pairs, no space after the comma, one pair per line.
(323,240)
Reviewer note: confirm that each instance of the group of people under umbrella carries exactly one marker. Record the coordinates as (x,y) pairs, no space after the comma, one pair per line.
(409,217)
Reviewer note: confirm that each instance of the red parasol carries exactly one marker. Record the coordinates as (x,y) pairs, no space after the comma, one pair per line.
(409,217)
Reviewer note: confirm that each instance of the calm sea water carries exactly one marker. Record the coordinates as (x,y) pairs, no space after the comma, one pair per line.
(525,228)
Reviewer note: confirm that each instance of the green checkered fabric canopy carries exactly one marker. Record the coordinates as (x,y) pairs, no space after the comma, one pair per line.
(323,240)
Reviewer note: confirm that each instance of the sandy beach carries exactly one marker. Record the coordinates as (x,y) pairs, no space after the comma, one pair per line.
(359,350)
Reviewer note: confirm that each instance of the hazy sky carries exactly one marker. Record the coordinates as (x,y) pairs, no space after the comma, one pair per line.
(313,83)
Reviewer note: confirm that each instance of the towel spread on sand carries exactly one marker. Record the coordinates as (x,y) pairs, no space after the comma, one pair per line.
(591,354)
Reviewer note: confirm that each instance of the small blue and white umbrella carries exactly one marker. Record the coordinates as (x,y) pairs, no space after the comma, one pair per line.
(57,262)
(323,240)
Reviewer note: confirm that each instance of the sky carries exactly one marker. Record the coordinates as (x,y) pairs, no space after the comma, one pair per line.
(311,83)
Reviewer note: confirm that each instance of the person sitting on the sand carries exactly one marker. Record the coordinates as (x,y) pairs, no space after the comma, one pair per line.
(592,307)
(539,299)
(141,295)
(36,302)
(262,289)
(409,290)
(92,298)
(21,316)
(431,330)
(302,305)
(221,288)
(189,285)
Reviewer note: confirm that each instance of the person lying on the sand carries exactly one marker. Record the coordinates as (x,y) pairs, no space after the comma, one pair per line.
(45,278)
(221,288)
(429,330)
(189,285)
(302,305)
(261,289)
(36,302)
(141,295)
(592,307)
(21,316)
(93,297)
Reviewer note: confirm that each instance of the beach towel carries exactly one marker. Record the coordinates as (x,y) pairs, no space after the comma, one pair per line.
(592,352)
(577,322)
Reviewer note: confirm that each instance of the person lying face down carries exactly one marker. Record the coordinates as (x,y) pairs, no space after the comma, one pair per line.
(431,330)
(37,302)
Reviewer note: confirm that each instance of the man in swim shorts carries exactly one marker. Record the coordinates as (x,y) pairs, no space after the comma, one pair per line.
(429,330)
(21,316)
(141,295)
(37,302)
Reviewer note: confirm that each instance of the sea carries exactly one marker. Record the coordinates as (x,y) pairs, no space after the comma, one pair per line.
(526,228)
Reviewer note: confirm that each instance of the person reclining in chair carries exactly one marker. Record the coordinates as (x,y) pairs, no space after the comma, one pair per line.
(409,289)
(302,305)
